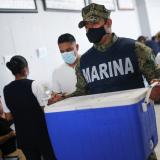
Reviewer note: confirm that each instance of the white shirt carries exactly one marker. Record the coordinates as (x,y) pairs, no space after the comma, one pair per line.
(64,79)
(38,92)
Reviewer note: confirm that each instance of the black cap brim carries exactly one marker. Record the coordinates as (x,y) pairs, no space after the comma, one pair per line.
(81,24)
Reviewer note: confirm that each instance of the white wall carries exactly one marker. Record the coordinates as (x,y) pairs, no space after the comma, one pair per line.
(22,33)
(153,10)
(143,18)
(126,22)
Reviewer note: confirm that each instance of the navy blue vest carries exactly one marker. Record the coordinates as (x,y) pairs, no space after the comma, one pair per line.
(115,69)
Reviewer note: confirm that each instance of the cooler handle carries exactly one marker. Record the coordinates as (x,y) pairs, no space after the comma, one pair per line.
(147,100)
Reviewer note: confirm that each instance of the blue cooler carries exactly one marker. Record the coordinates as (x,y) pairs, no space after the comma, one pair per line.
(108,126)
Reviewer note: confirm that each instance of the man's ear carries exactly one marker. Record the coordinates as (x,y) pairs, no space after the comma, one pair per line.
(77,46)
(108,22)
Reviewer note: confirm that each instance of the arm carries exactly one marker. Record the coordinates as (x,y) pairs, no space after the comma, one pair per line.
(146,62)
(2,114)
(149,68)
(55,97)
(6,113)
(9,116)
(57,94)
(6,137)
(81,86)
(39,93)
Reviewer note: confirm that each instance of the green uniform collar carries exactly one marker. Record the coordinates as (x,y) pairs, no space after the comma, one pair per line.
(103,47)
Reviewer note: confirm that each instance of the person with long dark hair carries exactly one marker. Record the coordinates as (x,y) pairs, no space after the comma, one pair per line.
(23,98)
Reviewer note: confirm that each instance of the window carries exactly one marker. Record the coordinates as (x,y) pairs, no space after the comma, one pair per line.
(18,6)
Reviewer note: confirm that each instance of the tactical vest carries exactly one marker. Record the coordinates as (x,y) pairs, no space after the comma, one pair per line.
(115,69)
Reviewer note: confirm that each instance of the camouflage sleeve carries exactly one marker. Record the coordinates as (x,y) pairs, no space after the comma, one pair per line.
(146,62)
(81,88)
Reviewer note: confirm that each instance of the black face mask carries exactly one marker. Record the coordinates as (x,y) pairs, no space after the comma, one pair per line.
(95,35)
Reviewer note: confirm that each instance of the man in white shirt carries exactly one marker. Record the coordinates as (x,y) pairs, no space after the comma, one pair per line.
(64,78)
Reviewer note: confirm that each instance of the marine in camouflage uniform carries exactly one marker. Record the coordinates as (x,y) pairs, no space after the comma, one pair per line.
(145,56)
(146,63)
(146,59)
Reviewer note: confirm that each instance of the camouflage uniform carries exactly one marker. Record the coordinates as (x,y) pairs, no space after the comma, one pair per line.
(145,56)
(146,62)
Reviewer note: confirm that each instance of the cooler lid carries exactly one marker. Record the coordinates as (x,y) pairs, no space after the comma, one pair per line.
(111,99)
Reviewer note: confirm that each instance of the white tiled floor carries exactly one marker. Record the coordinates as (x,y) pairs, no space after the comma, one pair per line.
(157,109)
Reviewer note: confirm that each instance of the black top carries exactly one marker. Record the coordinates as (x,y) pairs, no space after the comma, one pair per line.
(30,125)
(10,145)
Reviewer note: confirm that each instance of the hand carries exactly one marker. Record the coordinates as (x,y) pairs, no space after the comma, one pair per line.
(155,93)
(12,134)
(55,97)
(154,80)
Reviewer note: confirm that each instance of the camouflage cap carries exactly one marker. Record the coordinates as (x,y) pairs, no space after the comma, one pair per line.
(93,12)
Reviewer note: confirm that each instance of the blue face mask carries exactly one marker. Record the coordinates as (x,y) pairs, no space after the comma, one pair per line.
(69,57)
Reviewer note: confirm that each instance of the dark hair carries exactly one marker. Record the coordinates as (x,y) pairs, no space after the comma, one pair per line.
(16,64)
(153,38)
(141,38)
(66,38)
